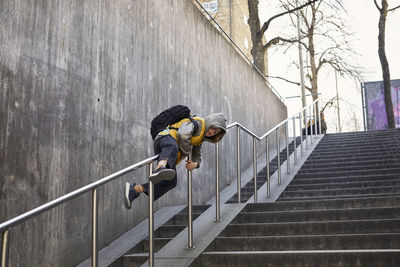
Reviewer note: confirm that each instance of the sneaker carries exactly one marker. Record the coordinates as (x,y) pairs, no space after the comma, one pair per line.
(162,174)
(130,195)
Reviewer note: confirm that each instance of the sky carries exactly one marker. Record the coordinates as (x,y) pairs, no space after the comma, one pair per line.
(363,20)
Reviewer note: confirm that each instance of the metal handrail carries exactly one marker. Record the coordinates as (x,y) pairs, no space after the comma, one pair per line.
(266,135)
(6,226)
(237,124)
(25,216)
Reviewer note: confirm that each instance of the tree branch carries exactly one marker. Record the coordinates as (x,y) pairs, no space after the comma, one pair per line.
(329,103)
(284,79)
(376,4)
(393,9)
(289,81)
(268,22)
(321,62)
(276,40)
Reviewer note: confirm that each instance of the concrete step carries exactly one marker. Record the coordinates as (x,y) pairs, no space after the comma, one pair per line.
(319,215)
(350,163)
(333,154)
(168,231)
(348,258)
(339,196)
(345,179)
(260,182)
(324,204)
(313,228)
(165,233)
(350,168)
(341,191)
(307,242)
(346,148)
(244,197)
(376,144)
(326,142)
(380,148)
(248,190)
(390,137)
(317,160)
(368,142)
(356,143)
(143,246)
(362,135)
(195,209)
(349,173)
(181,219)
(134,259)
(343,184)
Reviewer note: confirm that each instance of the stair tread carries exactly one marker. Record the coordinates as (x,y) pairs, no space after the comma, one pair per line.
(304,251)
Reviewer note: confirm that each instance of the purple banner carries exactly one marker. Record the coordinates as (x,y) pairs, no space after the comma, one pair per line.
(375,104)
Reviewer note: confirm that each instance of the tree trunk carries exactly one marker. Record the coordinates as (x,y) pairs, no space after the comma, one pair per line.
(311,51)
(385,65)
(313,66)
(258,50)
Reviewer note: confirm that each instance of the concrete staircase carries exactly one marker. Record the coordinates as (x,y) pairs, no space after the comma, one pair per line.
(165,233)
(341,209)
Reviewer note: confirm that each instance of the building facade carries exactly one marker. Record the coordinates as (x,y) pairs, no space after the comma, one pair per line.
(232,16)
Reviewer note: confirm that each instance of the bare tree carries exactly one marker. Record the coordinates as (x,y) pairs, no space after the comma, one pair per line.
(326,39)
(257,31)
(383,10)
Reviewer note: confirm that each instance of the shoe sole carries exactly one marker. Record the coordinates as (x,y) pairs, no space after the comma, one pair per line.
(127,202)
(164,175)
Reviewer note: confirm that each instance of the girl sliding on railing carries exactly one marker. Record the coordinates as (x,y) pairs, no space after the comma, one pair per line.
(173,143)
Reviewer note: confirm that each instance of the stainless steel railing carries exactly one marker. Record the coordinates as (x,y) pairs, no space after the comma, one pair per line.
(239,128)
(6,226)
(190,217)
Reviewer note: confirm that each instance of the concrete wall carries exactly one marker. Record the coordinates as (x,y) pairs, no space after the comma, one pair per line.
(80,82)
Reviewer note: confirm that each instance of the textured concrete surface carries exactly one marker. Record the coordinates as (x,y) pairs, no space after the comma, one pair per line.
(79,83)
(286,178)
(205,230)
(123,244)
(318,226)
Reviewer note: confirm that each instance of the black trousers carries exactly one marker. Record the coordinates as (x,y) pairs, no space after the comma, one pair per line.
(167,147)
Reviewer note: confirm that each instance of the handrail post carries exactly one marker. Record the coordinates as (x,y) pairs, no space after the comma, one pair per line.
(319,116)
(315,119)
(287,147)
(94,228)
(268,176)
(294,141)
(305,126)
(311,115)
(301,134)
(279,155)
(190,218)
(5,249)
(255,169)
(217,200)
(151,217)
(239,183)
